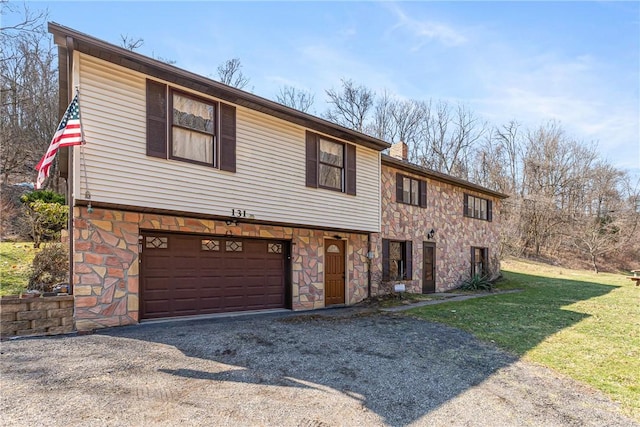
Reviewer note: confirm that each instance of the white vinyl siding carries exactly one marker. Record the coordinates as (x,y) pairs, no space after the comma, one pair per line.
(269,182)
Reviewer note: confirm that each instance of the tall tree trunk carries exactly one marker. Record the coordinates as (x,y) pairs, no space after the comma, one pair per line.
(594,264)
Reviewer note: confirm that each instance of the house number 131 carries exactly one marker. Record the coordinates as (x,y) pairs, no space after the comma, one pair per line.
(239,213)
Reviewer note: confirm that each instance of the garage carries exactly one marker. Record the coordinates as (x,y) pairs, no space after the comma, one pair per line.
(185,275)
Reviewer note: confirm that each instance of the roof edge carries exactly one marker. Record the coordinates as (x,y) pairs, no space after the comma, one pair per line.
(92,46)
(438,176)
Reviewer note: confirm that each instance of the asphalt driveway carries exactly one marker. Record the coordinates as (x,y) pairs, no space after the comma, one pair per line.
(329,368)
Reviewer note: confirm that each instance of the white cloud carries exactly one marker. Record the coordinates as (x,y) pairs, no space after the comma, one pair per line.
(424,32)
(591,99)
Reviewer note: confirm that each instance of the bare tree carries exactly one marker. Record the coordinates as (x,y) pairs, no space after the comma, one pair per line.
(130,43)
(295,98)
(31,21)
(607,221)
(407,116)
(398,120)
(382,125)
(29,97)
(350,106)
(230,73)
(449,135)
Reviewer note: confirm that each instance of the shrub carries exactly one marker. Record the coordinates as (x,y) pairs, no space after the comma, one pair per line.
(46,196)
(477,283)
(43,221)
(50,267)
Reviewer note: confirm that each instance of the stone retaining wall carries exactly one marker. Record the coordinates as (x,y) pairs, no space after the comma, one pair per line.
(36,316)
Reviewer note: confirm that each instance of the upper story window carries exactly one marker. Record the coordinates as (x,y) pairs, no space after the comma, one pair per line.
(330,164)
(192,130)
(411,191)
(188,128)
(476,207)
(396,260)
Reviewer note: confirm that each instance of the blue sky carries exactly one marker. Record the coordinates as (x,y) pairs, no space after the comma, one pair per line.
(575,62)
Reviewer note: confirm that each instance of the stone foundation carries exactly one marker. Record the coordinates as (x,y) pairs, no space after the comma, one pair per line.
(106,261)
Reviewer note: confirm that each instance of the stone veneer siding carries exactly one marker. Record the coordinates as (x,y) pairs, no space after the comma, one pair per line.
(455,234)
(106,261)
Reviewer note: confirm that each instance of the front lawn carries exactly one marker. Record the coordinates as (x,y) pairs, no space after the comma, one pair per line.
(15,265)
(582,324)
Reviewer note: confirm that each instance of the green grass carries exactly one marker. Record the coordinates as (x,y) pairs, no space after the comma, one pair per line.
(15,264)
(582,324)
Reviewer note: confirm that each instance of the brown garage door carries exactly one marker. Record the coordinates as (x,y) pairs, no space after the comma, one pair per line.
(185,275)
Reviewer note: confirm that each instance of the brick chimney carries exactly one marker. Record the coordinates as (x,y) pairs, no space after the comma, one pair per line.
(399,150)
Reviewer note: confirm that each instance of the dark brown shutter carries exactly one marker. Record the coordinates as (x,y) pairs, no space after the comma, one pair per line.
(350,170)
(408,256)
(399,181)
(227,138)
(156,119)
(465,205)
(489,210)
(312,160)
(423,194)
(485,262)
(473,258)
(385,259)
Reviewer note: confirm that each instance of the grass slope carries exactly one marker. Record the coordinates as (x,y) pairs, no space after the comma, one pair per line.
(582,324)
(15,265)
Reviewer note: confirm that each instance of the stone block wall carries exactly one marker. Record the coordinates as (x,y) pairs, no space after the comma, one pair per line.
(36,316)
(454,236)
(106,261)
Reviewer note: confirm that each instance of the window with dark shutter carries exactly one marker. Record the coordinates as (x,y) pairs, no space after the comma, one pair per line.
(396,260)
(330,164)
(185,127)
(479,261)
(477,207)
(411,191)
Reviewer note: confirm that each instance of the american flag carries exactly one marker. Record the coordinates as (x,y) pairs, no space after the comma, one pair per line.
(69,133)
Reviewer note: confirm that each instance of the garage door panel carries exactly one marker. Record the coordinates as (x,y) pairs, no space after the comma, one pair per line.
(156,283)
(186,274)
(158,305)
(237,303)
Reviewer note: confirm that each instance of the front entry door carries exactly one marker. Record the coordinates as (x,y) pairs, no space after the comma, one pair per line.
(334,257)
(429,268)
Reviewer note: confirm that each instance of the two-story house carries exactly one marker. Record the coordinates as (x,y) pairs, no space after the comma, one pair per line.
(437,230)
(191,197)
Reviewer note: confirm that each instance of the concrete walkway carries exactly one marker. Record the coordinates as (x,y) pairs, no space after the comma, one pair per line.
(442,298)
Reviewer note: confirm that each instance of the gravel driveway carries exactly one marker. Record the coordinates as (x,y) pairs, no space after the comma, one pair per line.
(336,367)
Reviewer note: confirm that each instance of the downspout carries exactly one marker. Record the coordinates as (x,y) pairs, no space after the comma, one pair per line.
(70,189)
(369,259)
